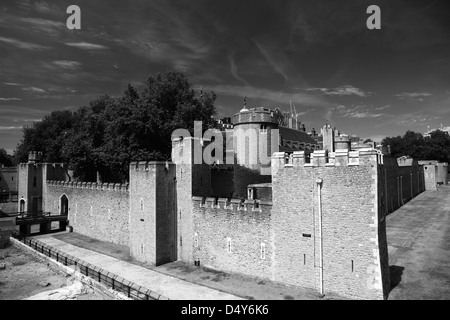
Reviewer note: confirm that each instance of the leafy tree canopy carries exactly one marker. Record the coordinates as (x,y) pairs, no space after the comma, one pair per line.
(5,158)
(413,144)
(113,131)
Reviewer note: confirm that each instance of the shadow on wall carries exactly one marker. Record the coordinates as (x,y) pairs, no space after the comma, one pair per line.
(396,275)
(244,176)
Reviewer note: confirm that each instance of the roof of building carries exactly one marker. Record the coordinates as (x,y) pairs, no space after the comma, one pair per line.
(295,135)
(260,185)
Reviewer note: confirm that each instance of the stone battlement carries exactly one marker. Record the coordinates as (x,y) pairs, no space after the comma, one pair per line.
(233,204)
(89,185)
(146,165)
(256,115)
(321,158)
(40,164)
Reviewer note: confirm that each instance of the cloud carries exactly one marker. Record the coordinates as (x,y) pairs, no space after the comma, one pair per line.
(51,27)
(299,99)
(234,70)
(44,7)
(346,90)
(276,59)
(413,95)
(86,45)
(67,64)
(8,128)
(23,44)
(10,99)
(34,89)
(11,84)
(358,112)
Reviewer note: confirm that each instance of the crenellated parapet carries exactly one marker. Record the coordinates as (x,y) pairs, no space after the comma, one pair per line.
(41,165)
(256,115)
(323,158)
(240,205)
(89,185)
(147,165)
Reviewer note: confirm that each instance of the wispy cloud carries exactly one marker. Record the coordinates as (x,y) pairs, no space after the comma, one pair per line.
(299,99)
(23,44)
(413,95)
(234,69)
(44,7)
(67,64)
(34,89)
(86,45)
(275,59)
(10,99)
(11,84)
(346,90)
(50,27)
(359,112)
(8,128)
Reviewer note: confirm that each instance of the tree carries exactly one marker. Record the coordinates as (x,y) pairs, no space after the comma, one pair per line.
(413,144)
(113,131)
(47,136)
(5,158)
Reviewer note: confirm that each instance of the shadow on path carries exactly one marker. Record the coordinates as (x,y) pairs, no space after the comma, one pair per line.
(396,275)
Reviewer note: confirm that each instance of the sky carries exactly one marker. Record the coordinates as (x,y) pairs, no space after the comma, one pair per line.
(318,54)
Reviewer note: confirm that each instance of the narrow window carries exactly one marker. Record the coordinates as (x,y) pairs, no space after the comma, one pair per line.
(180,214)
(304,258)
(229,245)
(181,241)
(196,240)
(263,250)
(34,182)
(352,266)
(12,178)
(142,204)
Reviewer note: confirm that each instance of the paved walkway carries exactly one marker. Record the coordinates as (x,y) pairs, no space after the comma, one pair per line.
(418,236)
(165,285)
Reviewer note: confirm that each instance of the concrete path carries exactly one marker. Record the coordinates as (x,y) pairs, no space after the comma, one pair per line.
(165,285)
(418,236)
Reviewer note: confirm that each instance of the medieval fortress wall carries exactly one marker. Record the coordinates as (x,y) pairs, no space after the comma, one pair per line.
(324,227)
(96,210)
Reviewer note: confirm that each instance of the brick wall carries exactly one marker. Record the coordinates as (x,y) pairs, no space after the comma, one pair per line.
(96,210)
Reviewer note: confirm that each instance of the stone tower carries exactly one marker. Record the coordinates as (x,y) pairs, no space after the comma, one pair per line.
(253,146)
(328,138)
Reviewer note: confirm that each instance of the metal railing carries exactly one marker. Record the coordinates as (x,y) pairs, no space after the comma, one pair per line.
(100,275)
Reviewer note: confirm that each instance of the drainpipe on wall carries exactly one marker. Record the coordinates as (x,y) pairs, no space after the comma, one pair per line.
(319,193)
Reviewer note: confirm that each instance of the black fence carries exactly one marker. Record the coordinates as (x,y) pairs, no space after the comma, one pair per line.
(100,275)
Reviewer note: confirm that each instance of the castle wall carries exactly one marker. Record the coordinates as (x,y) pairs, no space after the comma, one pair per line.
(247,227)
(353,234)
(30,186)
(153,212)
(96,210)
(191,179)
(430,171)
(402,182)
(442,173)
